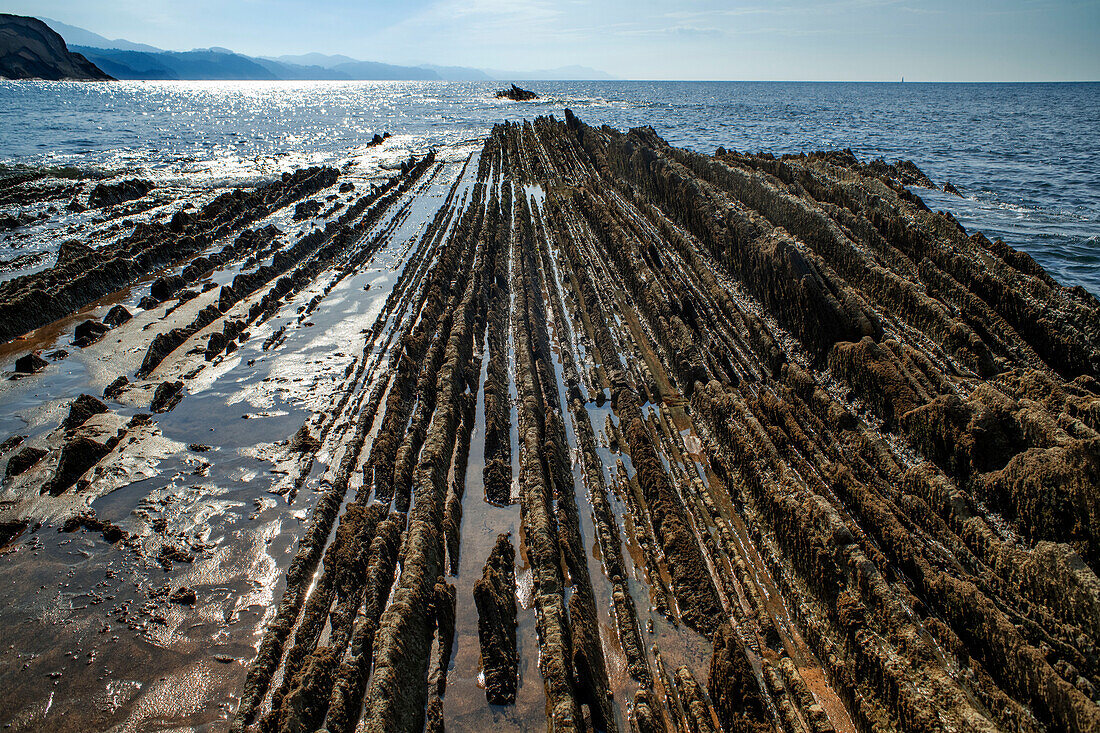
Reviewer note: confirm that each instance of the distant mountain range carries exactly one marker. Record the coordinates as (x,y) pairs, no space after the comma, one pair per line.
(124,59)
(79,37)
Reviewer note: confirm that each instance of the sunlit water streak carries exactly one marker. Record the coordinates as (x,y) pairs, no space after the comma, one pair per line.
(1026,156)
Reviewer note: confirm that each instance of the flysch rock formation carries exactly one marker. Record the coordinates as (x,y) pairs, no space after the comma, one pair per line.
(30,49)
(640,439)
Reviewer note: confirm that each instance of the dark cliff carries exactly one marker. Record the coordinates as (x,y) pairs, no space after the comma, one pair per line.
(29,49)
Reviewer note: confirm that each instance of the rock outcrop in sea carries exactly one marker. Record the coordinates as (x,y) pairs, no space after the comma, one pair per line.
(516,94)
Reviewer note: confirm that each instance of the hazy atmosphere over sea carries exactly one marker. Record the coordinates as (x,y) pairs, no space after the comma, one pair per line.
(715,366)
(820,40)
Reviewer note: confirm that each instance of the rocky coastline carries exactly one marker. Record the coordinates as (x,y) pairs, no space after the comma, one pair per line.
(630,437)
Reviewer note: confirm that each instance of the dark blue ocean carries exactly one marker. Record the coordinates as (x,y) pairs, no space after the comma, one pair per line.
(1025,156)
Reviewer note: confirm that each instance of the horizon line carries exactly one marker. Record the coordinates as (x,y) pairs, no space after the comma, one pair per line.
(604,81)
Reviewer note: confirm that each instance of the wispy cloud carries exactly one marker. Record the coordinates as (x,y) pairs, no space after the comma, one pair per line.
(677,31)
(515,15)
(804,9)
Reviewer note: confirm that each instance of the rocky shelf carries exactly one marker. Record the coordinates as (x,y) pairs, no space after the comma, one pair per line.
(637,438)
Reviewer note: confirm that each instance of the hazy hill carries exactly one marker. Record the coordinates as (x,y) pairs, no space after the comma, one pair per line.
(458,73)
(128,60)
(325,61)
(75,36)
(375,70)
(197,64)
(29,49)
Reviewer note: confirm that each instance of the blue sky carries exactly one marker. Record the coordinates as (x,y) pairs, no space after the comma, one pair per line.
(950,40)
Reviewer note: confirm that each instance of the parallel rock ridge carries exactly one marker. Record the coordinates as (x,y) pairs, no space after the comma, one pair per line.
(791,452)
(84,275)
(863,450)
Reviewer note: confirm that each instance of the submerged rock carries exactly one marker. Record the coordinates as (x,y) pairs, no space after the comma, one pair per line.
(111,532)
(183,595)
(173,553)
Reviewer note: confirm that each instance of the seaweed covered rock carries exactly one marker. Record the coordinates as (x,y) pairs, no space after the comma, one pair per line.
(88,332)
(33,300)
(11,443)
(77,456)
(1052,494)
(184,596)
(966,436)
(733,687)
(117,316)
(878,375)
(307,210)
(495,596)
(114,389)
(166,396)
(82,408)
(23,460)
(30,363)
(165,288)
(72,250)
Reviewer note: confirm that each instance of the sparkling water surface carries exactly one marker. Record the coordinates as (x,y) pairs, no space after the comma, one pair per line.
(1025,156)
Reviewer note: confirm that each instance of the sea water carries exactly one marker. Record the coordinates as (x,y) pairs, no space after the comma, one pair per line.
(1026,157)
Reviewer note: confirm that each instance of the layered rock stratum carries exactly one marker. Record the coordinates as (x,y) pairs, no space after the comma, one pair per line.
(778,447)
